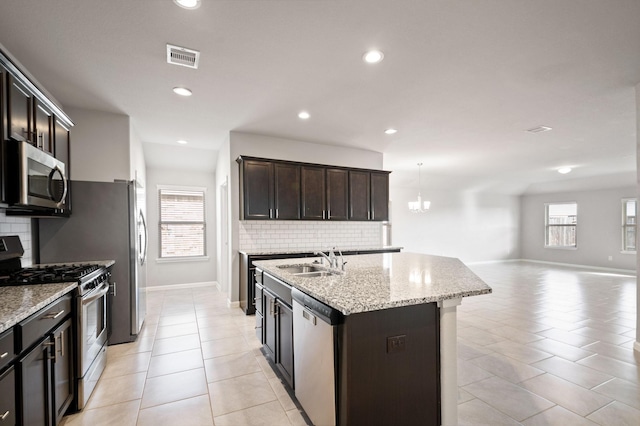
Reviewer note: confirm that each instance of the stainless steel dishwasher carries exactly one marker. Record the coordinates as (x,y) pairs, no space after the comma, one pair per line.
(314,338)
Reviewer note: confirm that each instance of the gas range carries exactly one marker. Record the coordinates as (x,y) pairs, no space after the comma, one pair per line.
(87,275)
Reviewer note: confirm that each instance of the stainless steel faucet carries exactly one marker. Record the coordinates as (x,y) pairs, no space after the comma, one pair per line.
(332,259)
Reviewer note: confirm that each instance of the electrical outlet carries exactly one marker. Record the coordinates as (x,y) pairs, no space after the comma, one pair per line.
(396,343)
(610,257)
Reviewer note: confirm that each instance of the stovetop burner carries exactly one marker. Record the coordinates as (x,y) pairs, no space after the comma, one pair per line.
(48,274)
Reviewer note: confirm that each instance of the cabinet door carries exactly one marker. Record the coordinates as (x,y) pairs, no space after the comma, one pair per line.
(313,193)
(8,398)
(61,145)
(63,384)
(35,384)
(43,127)
(359,197)
(379,196)
(19,111)
(269,327)
(258,189)
(287,191)
(337,194)
(285,341)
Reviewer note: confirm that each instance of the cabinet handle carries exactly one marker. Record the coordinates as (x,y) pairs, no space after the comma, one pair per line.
(270,213)
(5,415)
(62,344)
(276,213)
(47,345)
(272,306)
(328,214)
(53,315)
(4,355)
(323,214)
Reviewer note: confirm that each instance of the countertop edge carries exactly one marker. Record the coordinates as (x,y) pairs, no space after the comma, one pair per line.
(24,313)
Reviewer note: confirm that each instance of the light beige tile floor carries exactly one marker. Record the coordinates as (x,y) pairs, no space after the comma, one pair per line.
(551,345)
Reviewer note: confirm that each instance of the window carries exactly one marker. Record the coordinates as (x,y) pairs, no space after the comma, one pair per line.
(629,210)
(561,221)
(182,222)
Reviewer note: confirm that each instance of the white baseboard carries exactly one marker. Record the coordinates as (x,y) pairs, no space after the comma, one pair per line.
(572,265)
(636,346)
(183,286)
(231,304)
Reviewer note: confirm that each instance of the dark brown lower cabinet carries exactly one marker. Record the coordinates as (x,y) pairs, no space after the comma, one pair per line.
(35,385)
(285,341)
(63,377)
(389,367)
(8,397)
(277,325)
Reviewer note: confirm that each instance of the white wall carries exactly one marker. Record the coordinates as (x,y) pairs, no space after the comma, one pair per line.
(472,226)
(224,260)
(278,148)
(100,146)
(599,230)
(180,272)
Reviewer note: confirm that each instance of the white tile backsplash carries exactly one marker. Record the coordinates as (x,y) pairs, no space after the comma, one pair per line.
(21,226)
(259,235)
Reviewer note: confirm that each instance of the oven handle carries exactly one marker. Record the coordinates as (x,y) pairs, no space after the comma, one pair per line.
(99,294)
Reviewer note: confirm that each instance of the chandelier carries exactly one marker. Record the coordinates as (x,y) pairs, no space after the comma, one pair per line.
(419,206)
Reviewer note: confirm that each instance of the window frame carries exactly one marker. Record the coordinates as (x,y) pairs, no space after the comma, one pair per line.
(203,190)
(625,225)
(547,225)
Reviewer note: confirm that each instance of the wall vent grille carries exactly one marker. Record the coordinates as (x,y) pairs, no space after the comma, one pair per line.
(182,56)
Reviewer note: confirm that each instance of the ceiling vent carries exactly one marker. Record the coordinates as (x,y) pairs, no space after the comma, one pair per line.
(177,55)
(539,129)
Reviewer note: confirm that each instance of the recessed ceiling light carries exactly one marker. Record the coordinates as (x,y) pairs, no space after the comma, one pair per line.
(391,131)
(182,91)
(564,170)
(188,4)
(182,142)
(539,129)
(373,56)
(303,115)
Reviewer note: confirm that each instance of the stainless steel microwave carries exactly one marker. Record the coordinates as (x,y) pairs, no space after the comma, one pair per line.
(35,178)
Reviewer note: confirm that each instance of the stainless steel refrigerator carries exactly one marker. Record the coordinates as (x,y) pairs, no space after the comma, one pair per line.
(107,222)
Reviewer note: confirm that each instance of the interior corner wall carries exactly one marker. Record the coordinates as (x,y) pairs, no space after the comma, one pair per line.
(180,272)
(100,146)
(471,226)
(637,343)
(254,145)
(599,228)
(222,177)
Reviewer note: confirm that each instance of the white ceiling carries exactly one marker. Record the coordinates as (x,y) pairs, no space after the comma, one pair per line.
(461,80)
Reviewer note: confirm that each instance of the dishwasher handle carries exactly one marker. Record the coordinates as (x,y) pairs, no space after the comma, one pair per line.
(309,316)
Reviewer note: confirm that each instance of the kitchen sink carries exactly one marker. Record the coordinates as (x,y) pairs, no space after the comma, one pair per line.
(316,274)
(301,269)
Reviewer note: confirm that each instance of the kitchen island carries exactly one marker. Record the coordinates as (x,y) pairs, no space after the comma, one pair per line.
(396,342)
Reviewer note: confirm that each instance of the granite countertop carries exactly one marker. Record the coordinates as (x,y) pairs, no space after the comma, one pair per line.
(18,302)
(379,281)
(311,251)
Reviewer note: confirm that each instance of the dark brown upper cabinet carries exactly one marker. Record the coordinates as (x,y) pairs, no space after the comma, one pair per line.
(379,196)
(313,193)
(19,111)
(43,126)
(287,190)
(256,181)
(337,194)
(359,195)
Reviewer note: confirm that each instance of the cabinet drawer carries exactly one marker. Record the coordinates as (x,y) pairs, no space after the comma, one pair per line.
(37,325)
(8,398)
(279,288)
(6,350)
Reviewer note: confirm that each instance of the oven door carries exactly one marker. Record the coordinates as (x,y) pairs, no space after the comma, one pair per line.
(92,326)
